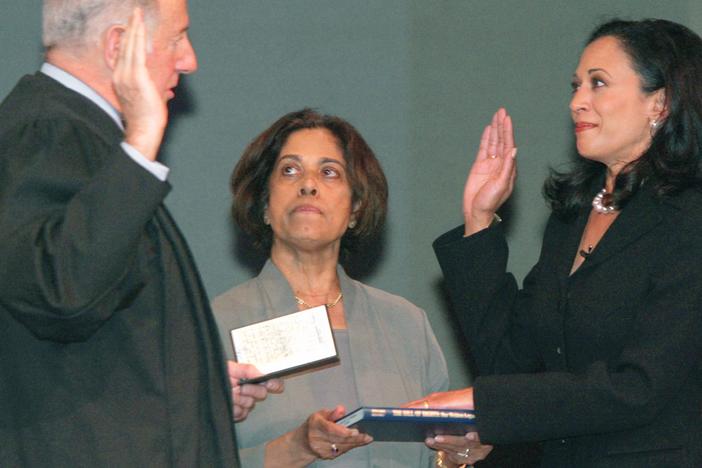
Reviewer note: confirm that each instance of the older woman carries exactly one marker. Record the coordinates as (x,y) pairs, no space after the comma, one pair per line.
(307,188)
(600,354)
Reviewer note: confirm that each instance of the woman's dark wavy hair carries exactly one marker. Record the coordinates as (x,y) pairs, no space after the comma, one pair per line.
(666,56)
(250,179)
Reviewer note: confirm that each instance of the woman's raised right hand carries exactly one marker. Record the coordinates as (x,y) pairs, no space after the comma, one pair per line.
(491,178)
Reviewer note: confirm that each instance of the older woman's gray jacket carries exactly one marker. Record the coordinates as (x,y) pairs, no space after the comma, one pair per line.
(396,358)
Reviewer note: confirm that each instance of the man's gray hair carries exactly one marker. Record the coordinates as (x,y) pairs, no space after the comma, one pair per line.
(78,23)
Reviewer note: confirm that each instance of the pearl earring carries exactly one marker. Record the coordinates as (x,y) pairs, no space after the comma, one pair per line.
(352,224)
(654,126)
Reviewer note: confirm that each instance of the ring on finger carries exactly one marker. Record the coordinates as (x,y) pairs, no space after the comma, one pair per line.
(334,449)
(464,454)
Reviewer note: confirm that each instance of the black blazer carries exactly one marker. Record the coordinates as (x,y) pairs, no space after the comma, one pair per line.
(605,365)
(109,355)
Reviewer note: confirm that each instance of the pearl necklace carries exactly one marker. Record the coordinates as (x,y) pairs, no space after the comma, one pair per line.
(329,305)
(599,206)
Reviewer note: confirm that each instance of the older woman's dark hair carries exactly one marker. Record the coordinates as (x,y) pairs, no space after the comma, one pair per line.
(666,56)
(249,182)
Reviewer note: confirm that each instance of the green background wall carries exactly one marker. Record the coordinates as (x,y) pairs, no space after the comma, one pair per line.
(419,79)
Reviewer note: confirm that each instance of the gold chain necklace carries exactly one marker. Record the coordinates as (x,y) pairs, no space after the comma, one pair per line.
(329,305)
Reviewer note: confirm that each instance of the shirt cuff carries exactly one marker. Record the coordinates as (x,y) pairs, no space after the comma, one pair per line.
(156,168)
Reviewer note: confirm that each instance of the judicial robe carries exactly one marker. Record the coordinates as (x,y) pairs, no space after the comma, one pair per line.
(109,354)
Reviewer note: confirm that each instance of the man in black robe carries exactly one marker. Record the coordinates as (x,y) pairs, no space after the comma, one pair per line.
(109,355)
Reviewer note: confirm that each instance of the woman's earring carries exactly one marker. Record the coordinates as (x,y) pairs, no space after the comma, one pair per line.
(266,219)
(352,224)
(654,126)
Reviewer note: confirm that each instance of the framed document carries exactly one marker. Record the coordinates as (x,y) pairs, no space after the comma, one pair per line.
(287,344)
(409,424)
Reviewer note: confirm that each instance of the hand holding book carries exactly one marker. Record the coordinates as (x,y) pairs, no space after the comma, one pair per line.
(317,438)
(454,450)
(452,399)
(245,396)
(459,450)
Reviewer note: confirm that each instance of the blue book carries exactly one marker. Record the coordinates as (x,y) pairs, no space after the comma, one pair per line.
(409,424)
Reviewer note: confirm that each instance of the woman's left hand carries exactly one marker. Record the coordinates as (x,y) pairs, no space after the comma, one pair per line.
(459,450)
(453,399)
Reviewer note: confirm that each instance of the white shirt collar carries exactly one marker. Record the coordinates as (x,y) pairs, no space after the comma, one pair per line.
(71,82)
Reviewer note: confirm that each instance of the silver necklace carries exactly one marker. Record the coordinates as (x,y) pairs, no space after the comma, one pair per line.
(329,304)
(599,206)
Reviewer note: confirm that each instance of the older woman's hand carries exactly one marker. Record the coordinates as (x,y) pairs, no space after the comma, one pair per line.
(246,396)
(491,178)
(459,450)
(319,437)
(328,440)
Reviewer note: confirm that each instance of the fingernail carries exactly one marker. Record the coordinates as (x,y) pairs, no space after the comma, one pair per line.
(514,153)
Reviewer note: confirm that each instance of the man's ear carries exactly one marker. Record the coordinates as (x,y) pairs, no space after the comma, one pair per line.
(112,43)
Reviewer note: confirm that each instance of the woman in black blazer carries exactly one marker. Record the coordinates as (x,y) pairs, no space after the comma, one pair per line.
(599,356)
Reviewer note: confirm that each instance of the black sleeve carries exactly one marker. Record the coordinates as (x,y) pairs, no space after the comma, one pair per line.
(73,209)
(486,300)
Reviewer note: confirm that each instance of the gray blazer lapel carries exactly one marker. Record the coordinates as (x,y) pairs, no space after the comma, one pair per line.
(369,349)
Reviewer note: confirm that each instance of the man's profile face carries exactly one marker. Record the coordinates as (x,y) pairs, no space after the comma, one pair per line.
(171,53)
